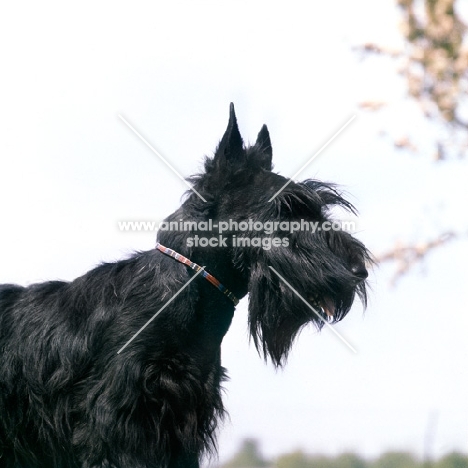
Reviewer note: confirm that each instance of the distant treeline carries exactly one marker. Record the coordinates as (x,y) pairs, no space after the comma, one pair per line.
(249,456)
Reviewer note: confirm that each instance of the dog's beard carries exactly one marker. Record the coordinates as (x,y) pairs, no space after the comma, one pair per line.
(320,289)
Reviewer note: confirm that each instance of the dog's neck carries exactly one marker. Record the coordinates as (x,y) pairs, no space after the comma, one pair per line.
(219,261)
(199,269)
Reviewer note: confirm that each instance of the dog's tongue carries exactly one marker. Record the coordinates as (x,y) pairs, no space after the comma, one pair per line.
(329,307)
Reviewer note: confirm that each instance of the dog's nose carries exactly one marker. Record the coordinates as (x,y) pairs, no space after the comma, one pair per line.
(359,270)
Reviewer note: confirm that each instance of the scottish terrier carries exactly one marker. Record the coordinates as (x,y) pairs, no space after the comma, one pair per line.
(121,368)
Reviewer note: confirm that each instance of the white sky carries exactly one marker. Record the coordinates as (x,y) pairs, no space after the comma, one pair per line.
(70,169)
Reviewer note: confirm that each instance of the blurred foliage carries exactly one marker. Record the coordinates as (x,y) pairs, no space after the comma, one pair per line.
(296,459)
(434,64)
(453,460)
(249,456)
(299,459)
(350,460)
(437,59)
(396,460)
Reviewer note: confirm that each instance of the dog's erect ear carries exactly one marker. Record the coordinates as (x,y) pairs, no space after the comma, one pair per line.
(264,151)
(231,146)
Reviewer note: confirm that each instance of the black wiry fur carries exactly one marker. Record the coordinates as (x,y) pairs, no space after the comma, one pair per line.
(68,400)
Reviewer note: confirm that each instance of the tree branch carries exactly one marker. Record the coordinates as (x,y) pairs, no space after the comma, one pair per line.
(409,255)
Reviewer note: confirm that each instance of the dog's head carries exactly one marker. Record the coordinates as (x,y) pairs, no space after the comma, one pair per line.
(299,265)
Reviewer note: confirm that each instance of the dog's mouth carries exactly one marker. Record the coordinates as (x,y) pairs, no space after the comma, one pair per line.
(324,306)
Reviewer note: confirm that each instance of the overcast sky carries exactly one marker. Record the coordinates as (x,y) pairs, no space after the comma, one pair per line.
(70,170)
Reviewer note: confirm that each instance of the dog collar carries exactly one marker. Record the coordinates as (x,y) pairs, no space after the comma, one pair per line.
(180,258)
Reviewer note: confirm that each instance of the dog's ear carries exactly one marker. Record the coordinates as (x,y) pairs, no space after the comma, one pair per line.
(263,151)
(231,147)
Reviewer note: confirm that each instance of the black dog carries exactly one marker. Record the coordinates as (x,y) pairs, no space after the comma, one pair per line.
(74,392)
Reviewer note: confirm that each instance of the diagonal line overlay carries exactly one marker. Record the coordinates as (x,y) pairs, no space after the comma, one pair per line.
(159,156)
(312,158)
(160,310)
(315,312)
